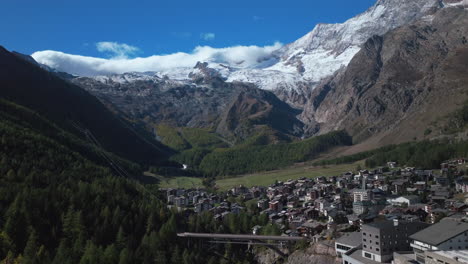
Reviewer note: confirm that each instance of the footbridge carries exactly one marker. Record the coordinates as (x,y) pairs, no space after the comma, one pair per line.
(273,242)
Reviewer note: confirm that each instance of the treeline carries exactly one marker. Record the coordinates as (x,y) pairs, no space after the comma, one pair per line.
(355,157)
(57,206)
(187,138)
(422,154)
(425,154)
(241,160)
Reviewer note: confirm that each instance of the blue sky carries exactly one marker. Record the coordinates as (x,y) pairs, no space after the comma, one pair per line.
(162,27)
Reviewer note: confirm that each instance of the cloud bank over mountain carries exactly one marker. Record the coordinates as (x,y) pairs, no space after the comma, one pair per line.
(117,50)
(244,56)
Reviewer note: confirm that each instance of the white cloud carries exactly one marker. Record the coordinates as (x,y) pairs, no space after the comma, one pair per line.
(117,50)
(238,56)
(207,36)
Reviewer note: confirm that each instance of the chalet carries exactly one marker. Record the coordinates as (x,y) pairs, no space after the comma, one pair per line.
(311,228)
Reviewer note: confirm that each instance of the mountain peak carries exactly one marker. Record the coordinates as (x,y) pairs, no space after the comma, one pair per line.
(204,74)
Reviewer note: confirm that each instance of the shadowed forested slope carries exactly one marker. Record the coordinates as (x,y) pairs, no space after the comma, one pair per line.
(73,109)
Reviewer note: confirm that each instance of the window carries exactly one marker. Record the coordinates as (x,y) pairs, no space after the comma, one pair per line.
(363,234)
(376,236)
(367,255)
(376,243)
(365,246)
(364,240)
(377,249)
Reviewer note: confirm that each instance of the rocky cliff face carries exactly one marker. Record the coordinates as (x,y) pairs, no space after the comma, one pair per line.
(410,75)
(316,254)
(235,110)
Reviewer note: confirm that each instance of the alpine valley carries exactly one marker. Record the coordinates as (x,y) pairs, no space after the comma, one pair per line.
(113,165)
(384,76)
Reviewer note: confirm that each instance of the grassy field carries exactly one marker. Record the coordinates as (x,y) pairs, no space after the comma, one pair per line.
(259,179)
(267,178)
(177,182)
(181,182)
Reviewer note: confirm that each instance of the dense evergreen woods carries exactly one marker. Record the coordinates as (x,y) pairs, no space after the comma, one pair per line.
(422,154)
(246,159)
(207,154)
(57,205)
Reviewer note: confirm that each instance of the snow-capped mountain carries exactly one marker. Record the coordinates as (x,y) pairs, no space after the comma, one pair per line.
(310,59)
(305,82)
(329,47)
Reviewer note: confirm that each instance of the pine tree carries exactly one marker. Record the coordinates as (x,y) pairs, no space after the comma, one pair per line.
(6,245)
(186,257)
(121,239)
(111,255)
(91,254)
(16,223)
(43,255)
(160,257)
(176,257)
(124,257)
(63,255)
(31,250)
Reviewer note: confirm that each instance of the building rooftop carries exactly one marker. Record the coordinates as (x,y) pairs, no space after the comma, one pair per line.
(353,239)
(383,224)
(440,232)
(459,255)
(357,255)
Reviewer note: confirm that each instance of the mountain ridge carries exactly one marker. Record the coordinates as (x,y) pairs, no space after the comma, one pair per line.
(209,97)
(72,108)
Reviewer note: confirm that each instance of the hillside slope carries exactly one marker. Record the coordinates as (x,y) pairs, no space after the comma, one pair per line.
(399,83)
(73,109)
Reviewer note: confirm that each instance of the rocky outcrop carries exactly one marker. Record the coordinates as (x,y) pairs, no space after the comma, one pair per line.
(318,253)
(413,74)
(235,110)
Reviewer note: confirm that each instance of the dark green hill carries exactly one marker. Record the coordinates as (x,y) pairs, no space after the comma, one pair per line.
(73,109)
(59,205)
